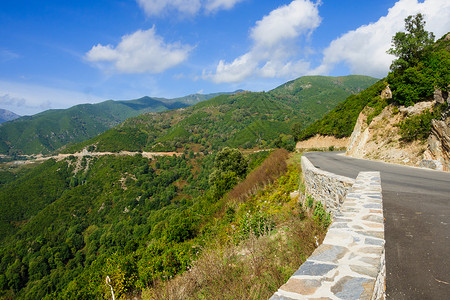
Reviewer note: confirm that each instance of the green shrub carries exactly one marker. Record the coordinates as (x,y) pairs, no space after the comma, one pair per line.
(309,201)
(257,224)
(418,127)
(320,216)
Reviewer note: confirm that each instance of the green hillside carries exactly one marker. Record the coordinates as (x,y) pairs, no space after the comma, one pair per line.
(65,226)
(245,119)
(340,121)
(50,130)
(410,81)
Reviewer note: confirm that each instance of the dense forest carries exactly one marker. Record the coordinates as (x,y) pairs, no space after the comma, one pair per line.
(139,221)
(75,219)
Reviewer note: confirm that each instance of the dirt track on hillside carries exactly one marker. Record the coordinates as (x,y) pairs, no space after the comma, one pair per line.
(59,157)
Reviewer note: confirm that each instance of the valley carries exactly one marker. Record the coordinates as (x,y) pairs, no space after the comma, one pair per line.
(202,197)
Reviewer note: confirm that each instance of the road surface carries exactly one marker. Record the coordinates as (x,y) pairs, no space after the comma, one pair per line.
(416,207)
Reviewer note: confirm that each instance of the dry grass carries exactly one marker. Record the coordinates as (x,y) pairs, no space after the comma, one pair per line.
(254,269)
(266,173)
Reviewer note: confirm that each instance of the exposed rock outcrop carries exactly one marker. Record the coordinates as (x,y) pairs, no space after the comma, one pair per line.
(441,96)
(380,140)
(437,155)
(386,93)
(321,141)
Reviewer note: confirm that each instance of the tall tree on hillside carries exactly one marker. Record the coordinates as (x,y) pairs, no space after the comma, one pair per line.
(409,46)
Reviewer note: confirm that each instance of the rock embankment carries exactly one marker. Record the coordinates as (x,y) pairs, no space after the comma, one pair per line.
(321,141)
(381,139)
(437,155)
(350,263)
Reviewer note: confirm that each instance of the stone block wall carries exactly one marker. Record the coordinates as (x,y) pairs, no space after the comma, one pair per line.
(350,263)
(326,187)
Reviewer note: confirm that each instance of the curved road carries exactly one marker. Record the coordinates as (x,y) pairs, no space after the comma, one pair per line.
(416,206)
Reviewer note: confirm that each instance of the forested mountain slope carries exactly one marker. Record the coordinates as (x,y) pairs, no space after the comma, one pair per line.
(410,82)
(245,119)
(66,225)
(50,130)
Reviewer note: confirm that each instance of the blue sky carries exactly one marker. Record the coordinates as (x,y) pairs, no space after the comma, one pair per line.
(55,54)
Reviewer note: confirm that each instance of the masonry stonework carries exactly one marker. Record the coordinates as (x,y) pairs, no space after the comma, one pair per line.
(350,263)
(326,187)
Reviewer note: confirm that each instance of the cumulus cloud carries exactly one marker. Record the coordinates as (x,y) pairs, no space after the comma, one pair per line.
(364,50)
(188,7)
(274,46)
(141,52)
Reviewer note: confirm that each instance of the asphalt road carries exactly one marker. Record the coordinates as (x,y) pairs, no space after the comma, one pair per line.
(416,207)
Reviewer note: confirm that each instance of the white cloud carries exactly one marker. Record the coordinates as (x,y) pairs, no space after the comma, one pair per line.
(238,70)
(285,23)
(273,51)
(364,49)
(29,99)
(187,7)
(141,52)
(157,7)
(215,5)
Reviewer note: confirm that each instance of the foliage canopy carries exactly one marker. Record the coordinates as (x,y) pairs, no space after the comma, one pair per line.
(409,46)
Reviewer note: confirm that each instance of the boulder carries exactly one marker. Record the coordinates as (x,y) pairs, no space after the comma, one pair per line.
(386,93)
(441,96)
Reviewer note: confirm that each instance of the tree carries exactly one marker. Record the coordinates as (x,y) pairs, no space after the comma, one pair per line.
(409,46)
(231,160)
(297,130)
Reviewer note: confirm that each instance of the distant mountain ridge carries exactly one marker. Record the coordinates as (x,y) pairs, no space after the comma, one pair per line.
(50,130)
(6,115)
(242,120)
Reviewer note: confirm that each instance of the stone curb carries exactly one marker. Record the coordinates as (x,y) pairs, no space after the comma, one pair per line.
(350,263)
(326,187)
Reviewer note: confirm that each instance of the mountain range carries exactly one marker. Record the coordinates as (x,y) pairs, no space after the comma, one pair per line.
(67,224)
(244,119)
(50,130)
(6,115)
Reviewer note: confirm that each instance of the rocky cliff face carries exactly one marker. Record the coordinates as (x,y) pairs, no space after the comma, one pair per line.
(437,155)
(380,140)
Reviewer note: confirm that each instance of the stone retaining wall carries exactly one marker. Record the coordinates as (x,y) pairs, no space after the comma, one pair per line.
(326,187)
(350,263)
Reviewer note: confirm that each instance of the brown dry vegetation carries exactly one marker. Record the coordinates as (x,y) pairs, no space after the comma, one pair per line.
(251,262)
(254,269)
(267,172)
